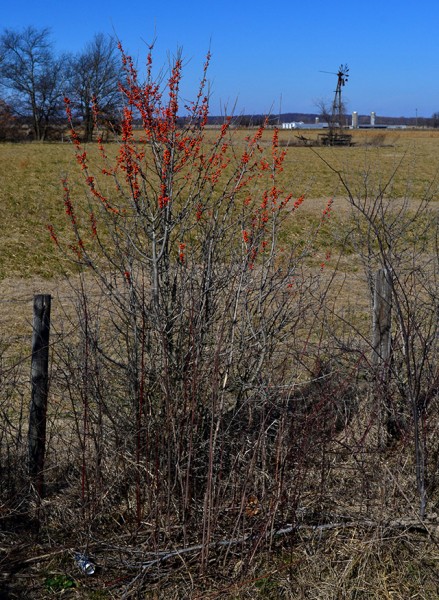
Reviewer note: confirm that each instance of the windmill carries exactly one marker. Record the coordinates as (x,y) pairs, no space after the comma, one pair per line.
(337,105)
(337,113)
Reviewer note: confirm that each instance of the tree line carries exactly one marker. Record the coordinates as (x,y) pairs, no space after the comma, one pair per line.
(34,80)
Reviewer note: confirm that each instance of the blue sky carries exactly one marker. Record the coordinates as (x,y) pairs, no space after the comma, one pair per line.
(268,56)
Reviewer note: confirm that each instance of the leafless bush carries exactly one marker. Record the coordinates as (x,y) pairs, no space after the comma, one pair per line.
(399,237)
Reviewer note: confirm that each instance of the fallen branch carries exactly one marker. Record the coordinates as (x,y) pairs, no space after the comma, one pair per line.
(417,525)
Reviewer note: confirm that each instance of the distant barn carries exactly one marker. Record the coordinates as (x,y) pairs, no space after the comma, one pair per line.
(302,125)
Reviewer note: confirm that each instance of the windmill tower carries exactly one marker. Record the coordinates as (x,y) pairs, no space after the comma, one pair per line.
(337,105)
(337,112)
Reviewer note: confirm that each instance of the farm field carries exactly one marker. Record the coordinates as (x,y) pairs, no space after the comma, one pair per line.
(271,450)
(31,197)
(31,192)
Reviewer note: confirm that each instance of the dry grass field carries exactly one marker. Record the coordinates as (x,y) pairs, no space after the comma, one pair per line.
(354,530)
(31,191)
(31,197)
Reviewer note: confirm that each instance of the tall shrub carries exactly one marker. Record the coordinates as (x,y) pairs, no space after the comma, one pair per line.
(188,355)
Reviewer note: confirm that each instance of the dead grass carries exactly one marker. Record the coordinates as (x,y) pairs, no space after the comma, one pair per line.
(31,192)
(358,538)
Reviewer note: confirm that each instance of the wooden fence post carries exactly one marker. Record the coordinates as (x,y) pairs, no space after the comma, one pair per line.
(39,380)
(382,346)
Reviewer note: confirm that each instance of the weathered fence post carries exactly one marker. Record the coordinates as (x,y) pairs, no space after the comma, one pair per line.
(39,377)
(382,347)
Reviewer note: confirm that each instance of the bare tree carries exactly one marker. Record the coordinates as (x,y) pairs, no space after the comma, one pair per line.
(95,74)
(324,110)
(8,123)
(435,120)
(32,76)
(333,114)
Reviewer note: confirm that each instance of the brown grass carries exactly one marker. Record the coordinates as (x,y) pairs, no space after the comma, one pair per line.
(31,192)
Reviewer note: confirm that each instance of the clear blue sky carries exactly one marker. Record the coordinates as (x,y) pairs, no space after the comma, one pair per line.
(269,53)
